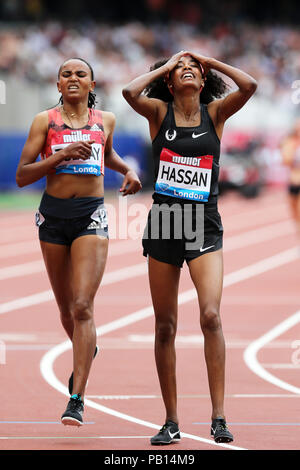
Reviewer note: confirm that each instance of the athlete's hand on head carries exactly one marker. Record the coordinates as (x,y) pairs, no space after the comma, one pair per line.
(79,150)
(131,183)
(204,61)
(172,62)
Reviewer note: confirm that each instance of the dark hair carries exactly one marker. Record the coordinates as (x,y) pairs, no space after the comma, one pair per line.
(214,86)
(92,96)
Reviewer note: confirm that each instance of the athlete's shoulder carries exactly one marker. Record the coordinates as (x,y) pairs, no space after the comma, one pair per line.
(108,115)
(109,119)
(42,115)
(40,121)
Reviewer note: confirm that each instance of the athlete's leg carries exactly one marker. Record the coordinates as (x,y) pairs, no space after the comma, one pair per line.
(164,281)
(297,213)
(57,261)
(88,259)
(207,275)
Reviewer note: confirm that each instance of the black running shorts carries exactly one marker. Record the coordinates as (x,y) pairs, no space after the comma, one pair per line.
(61,221)
(294,189)
(175,248)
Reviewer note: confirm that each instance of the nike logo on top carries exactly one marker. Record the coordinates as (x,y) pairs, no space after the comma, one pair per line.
(207,248)
(198,135)
(172,434)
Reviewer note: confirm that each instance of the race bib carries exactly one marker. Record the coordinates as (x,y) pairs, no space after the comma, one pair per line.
(184,177)
(92,166)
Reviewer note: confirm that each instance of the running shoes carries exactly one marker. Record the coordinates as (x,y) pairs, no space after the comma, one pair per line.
(74,411)
(70,385)
(220,431)
(168,433)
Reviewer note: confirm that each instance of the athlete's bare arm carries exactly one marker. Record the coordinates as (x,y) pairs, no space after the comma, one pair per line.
(29,170)
(221,109)
(288,148)
(151,108)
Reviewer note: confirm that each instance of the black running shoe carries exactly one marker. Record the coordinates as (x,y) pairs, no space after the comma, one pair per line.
(220,431)
(169,433)
(70,386)
(73,414)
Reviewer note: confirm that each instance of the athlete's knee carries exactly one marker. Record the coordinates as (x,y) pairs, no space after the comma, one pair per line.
(65,310)
(82,309)
(210,319)
(165,331)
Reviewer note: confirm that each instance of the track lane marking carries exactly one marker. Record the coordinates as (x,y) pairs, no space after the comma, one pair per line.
(232,243)
(47,361)
(46,296)
(250,353)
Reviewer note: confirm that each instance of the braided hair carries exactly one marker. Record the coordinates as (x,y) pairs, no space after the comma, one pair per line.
(92,96)
(214,86)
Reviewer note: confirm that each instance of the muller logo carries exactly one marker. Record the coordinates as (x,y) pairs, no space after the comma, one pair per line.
(76,136)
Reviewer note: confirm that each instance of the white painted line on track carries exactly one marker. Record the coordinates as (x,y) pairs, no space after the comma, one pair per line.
(47,362)
(259,235)
(32,267)
(23,269)
(46,296)
(244,218)
(252,237)
(72,437)
(150,397)
(281,365)
(250,353)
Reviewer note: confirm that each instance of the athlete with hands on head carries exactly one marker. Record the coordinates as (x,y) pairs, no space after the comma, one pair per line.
(183,100)
(76,143)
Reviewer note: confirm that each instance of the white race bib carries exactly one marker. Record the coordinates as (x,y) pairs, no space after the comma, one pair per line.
(184,177)
(91,166)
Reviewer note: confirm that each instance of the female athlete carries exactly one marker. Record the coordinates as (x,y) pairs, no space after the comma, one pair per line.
(185,105)
(75,142)
(290,150)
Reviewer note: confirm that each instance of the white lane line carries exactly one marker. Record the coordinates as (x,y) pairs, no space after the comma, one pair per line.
(23,269)
(267,264)
(250,353)
(150,397)
(281,366)
(32,267)
(72,437)
(244,218)
(20,248)
(28,301)
(9,234)
(259,235)
(236,242)
(46,296)
(47,362)
(46,367)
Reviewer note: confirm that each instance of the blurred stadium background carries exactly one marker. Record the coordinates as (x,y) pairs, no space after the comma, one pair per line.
(121,40)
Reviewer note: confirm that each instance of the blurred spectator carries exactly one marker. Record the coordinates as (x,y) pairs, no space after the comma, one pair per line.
(120,52)
(32,53)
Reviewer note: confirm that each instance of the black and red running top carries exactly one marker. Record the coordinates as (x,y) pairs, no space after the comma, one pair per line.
(186,160)
(60,136)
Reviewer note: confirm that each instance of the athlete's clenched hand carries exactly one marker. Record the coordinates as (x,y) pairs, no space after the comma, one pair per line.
(78,150)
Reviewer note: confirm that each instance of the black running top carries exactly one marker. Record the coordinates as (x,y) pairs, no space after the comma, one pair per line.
(186,161)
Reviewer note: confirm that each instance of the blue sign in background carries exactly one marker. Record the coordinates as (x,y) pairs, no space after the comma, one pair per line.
(131,147)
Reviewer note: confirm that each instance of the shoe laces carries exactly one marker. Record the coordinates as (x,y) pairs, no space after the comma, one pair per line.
(221,424)
(75,401)
(165,426)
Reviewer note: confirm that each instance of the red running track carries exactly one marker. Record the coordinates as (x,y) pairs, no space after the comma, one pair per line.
(260,314)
